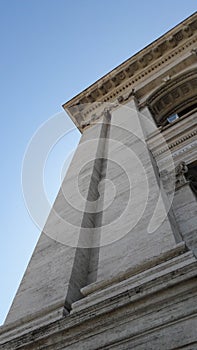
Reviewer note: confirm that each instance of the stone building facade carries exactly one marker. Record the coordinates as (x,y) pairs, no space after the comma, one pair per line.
(116,264)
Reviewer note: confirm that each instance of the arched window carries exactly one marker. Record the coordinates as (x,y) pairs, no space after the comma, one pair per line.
(177,97)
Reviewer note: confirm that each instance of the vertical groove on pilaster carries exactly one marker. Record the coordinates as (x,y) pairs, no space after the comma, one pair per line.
(85,265)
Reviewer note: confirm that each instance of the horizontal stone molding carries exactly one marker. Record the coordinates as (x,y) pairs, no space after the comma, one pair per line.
(138,68)
(179,137)
(166,286)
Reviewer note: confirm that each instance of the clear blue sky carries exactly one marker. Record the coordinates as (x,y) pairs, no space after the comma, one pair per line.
(50,51)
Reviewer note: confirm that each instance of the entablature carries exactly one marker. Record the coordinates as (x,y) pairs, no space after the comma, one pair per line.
(175,48)
(177,140)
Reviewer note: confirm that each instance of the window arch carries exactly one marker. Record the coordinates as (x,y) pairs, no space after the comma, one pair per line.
(177,96)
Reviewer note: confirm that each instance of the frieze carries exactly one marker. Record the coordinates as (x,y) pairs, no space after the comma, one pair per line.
(108,107)
(189,147)
(176,143)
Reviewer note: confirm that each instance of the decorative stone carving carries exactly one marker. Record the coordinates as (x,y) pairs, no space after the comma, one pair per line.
(166,78)
(176,38)
(193,25)
(105,87)
(132,68)
(172,180)
(122,99)
(160,49)
(146,59)
(119,78)
(180,171)
(194,51)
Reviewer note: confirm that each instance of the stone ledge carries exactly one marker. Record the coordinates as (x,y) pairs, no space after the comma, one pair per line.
(43,317)
(168,286)
(179,249)
(139,286)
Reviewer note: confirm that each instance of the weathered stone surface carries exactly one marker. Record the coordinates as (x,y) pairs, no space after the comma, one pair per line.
(58,269)
(185,209)
(120,249)
(126,222)
(154,309)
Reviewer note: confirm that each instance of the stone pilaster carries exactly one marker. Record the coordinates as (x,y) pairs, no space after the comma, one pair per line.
(59,265)
(135,225)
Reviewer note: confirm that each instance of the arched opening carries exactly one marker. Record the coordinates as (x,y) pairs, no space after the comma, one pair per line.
(174,99)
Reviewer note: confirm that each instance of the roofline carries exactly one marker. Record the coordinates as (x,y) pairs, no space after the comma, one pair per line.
(109,74)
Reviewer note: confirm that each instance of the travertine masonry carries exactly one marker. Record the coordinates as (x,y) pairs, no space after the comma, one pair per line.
(116,264)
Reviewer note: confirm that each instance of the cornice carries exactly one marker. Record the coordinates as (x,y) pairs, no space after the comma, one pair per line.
(124,78)
(177,136)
